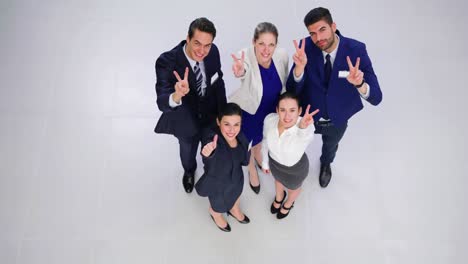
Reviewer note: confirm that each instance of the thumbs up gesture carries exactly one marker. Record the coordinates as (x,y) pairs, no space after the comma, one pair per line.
(210,147)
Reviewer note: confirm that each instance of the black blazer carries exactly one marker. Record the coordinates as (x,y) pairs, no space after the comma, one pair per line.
(196,112)
(222,168)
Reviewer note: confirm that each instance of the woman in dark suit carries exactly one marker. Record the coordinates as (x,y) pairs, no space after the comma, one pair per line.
(224,154)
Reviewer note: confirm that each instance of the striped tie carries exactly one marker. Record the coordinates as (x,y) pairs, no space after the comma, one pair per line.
(199,78)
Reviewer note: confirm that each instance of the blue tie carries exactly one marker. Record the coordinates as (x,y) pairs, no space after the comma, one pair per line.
(199,78)
(328,69)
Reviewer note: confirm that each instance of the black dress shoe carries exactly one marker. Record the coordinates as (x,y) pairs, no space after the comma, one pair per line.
(188,181)
(281,215)
(246,220)
(227,228)
(275,210)
(325,175)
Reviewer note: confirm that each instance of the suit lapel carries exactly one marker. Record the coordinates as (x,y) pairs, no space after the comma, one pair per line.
(319,65)
(340,59)
(208,70)
(183,61)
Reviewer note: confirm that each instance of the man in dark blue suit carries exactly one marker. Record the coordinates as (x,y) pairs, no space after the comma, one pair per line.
(323,75)
(190,104)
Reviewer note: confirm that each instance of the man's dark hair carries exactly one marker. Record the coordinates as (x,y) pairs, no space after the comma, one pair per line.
(229,110)
(317,14)
(202,24)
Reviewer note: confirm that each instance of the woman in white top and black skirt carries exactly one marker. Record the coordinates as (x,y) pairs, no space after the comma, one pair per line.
(285,138)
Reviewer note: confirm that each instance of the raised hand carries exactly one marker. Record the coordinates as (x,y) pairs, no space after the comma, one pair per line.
(308,118)
(355,75)
(238,65)
(210,147)
(181,87)
(299,58)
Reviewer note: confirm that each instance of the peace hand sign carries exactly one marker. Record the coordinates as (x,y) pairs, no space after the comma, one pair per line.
(299,58)
(307,119)
(210,147)
(181,86)
(238,65)
(355,76)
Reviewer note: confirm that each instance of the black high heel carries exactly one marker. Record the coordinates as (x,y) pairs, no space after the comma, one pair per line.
(225,229)
(246,220)
(275,210)
(281,215)
(255,189)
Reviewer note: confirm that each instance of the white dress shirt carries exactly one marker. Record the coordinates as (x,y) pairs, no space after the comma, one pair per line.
(288,147)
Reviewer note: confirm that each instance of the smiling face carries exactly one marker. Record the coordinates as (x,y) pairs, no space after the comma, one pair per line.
(199,45)
(264,46)
(323,35)
(288,110)
(229,126)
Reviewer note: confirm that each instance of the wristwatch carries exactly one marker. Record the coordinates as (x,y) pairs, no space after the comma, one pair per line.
(360,85)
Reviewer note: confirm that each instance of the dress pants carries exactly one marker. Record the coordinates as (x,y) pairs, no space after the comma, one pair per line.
(188,153)
(331,136)
(188,146)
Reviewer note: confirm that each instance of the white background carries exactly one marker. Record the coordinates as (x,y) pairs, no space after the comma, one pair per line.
(83,178)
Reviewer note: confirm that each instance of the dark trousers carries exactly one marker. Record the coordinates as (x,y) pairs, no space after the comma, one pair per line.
(188,152)
(188,146)
(331,136)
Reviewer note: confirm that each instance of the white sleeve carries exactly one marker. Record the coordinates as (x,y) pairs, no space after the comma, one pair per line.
(172,103)
(366,95)
(265,158)
(298,79)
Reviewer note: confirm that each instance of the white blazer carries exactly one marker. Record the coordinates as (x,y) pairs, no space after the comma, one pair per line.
(249,95)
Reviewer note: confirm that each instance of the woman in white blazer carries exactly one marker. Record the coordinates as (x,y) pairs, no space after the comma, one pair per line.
(263,71)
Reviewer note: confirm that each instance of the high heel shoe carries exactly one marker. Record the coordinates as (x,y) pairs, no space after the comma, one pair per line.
(281,215)
(246,220)
(225,229)
(255,189)
(275,210)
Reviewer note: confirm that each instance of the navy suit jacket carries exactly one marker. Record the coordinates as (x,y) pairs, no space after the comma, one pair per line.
(195,113)
(341,97)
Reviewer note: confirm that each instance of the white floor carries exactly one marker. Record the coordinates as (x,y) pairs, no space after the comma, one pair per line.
(83,179)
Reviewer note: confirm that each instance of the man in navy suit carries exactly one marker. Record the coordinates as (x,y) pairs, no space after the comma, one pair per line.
(190,92)
(324,76)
